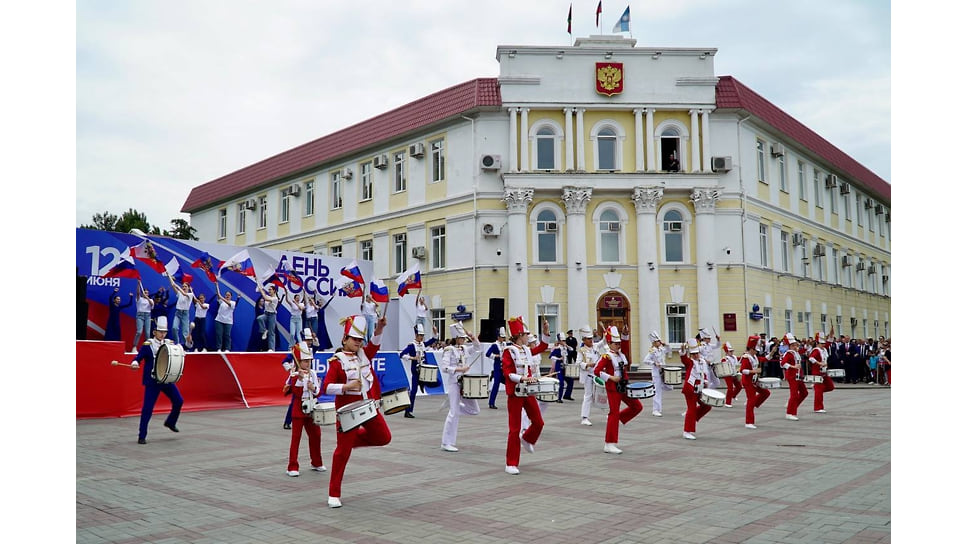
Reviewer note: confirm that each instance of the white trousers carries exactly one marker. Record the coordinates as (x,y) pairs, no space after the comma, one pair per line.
(588,382)
(458,405)
(660,386)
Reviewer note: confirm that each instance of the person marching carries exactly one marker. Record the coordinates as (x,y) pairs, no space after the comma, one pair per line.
(415,353)
(698,377)
(290,364)
(792,371)
(351,378)
(495,352)
(613,368)
(708,352)
(656,359)
(303,383)
(521,366)
(588,355)
(818,365)
(142,316)
(750,370)
(454,364)
(733,385)
(558,357)
(146,355)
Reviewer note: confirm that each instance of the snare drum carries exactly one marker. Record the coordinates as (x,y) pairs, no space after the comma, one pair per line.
(712,397)
(308,405)
(724,369)
(600,395)
(544,387)
(395,401)
(768,383)
(169,364)
(427,374)
(325,413)
(836,372)
(813,378)
(547,389)
(474,386)
(672,375)
(573,370)
(641,390)
(355,414)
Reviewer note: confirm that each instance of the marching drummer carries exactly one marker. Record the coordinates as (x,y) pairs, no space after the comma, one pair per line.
(290,363)
(453,364)
(589,352)
(414,352)
(750,370)
(351,378)
(697,378)
(708,351)
(520,365)
(613,368)
(818,366)
(793,373)
(147,355)
(656,359)
(496,352)
(733,385)
(558,356)
(304,385)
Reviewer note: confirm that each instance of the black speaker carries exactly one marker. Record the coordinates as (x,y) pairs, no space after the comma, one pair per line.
(488,331)
(496,309)
(81,306)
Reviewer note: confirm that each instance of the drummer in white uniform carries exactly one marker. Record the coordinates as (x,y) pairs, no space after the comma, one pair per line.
(588,355)
(656,359)
(454,363)
(697,378)
(709,353)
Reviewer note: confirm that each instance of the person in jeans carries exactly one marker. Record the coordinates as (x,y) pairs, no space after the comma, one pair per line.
(180,329)
(296,307)
(142,319)
(268,326)
(223,320)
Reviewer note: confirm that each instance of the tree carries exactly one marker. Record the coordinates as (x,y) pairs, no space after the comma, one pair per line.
(103,221)
(182,230)
(133,219)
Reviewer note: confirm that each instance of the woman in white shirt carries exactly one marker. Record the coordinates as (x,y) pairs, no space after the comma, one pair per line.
(453,364)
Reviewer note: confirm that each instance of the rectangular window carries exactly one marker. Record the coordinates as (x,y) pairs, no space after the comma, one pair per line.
(788,320)
(336,191)
(437,160)
(399,253)
(223,223)
(676,315)
(438,247)
(817,193)
(761,160)
(284,207)
(818,264)
(781,164)
(764,246)
(848,277)
(808,324)
(336,251)
(310,198)
(241,218)
(785,251)
(366,250)
(802,179)
(823,325)
(847,206)
(438,318)
(366,181)
(860,210)
(804,260)
(833,200)
(835,260)
(263,212)
(400,172)
(549,313)
(768,322)
(545,143)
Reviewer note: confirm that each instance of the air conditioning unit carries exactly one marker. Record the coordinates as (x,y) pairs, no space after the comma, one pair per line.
(490,162)
(417,150)
(418,252)
(878,209)
(797,239)
(830,181)
(380,161)
(675,226)
(884,278)
(844,261)
(887,217)
(722,164)
(861,265)
(551,227)
(488,230)
(819,251)
(294,189)
(250,204)
(868,204)
(614,227)
(853,322)
(347,173)
(871,269)
(777,149)
(844,189)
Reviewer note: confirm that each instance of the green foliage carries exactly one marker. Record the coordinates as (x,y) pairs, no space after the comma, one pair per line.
(133,219)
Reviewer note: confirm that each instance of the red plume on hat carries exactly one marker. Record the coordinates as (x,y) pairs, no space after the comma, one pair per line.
(516,326)
(752,341)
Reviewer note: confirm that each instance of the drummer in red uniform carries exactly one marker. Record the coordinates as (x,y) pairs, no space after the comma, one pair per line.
(303,385)
(350,378)
(697,377)
(520,365)
(613,368)
(793,373)
(818,366)
(733,385)
(750,370)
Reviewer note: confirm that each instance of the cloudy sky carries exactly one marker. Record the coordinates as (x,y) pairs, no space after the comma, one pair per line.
(173,94)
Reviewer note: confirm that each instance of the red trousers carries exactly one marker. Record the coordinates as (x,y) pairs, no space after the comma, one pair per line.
(819,389)
(733,388)
(632,409)
(313,435)
(755,397)
(372,433)
(530,406)
(798,392)
(694,409)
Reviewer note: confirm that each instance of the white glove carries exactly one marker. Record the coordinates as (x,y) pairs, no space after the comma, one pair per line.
(134,364)
(288,366)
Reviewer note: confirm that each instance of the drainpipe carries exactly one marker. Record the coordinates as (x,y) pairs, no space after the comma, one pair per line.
(742,223)
(475,178)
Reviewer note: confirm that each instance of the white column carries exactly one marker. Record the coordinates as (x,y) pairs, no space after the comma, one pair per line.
(517,201)
(525,156)
(694,160)
(649,139)
(639,150)
(513,140)
(569,141)
(646,200)
(707,284)
(706,162)
(576,201)
(580,138)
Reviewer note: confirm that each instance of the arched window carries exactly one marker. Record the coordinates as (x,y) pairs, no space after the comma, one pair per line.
(610,219)
(673,237)
(672,135)
(546,137)
(546,230)
(607,145)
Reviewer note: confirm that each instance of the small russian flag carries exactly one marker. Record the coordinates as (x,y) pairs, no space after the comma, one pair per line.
(379,291)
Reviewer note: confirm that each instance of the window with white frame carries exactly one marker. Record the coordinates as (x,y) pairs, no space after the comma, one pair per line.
(785,251)
(870,218)
(263,212)
(823,325)
(438,247)
(240,218)
(336,191)
(761,160)
(833,200)
(861,274)
(366,250)
(781,166)
(399,172)
(804,260)
(437,160)
(366,180)
(284,203)
(860,210)
(669,149)
(310,208)
(808,324)
(606,142)
(866,334)
(788,320)
(818,263)
(768,322)
(223,223)
(764,245)
(546,227)
(817,191)
(399,253)
(673,237)
(549,313)
(438,318)
(676,315)
(802,179)
(545,142)
(835,260)
(336,251)
(609,236)
(848,277)
(847,215)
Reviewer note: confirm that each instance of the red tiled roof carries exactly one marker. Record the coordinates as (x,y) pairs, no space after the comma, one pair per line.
(455,100)
(730,93)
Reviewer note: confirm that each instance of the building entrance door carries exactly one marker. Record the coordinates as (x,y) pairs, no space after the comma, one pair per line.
(612,309)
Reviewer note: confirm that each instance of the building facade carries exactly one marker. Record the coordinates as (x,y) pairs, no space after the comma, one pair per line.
(597,183)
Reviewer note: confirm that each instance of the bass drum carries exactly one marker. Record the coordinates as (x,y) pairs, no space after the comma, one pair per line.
(169,363)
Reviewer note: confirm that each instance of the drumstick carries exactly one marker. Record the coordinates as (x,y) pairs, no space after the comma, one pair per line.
(115,363)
